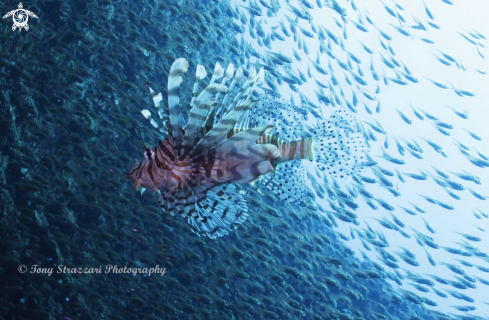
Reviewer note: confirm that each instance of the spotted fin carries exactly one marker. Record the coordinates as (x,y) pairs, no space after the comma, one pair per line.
(339,145)
(288,182)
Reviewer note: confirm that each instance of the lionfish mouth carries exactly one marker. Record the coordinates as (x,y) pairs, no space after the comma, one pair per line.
(140,171)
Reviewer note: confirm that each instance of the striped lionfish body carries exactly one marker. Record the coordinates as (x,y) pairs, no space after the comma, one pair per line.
(234,135)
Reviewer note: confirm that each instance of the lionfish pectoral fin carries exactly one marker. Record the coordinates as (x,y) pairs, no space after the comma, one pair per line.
(220,212)
(239,159)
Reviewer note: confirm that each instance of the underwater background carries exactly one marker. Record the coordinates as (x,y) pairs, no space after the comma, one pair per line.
(405,240)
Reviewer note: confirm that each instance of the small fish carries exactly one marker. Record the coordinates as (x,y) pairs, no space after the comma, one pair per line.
(389,10)
(441,173)
(461,92)
(419,209)
(425,40)
(404,117)
(441,130)
(409,211)
(463,115)
(367,108)
(399,175)
(417,112)
(432,24)
(473,135)
(388,63)
(456,294)
(451,194)
(416,176)
(467,38)
(468,177)
(430,258)
(439,293)
(429,227)
(360,27)
(407,76)
(476,194)
(366,93)
(438,84)
(377,127)
(469,237)
(389,158)
(438,148)
(366,48)
(400,147)
(385,204)
(402,31)
(397,221)
(404,234)
(419,25)
(443,124)
(464,308)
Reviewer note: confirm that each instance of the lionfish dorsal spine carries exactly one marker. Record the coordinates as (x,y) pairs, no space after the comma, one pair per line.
(200,74)
(178,68)
(147,114)
(157,100)
(217,108)
(218,73)
(253,80)
(223,106)
(241,92)
(217,134)
(221,129)
(198,115)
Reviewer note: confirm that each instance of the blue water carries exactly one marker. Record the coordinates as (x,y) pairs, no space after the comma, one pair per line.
(72,88)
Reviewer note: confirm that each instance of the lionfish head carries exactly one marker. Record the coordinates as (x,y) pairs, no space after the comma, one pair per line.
(152,172)
(140,171)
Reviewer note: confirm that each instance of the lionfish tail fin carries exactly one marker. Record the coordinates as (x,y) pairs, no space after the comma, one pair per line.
(339,145)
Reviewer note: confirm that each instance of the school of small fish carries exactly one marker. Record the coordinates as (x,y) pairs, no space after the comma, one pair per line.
(340,199)
(371,244)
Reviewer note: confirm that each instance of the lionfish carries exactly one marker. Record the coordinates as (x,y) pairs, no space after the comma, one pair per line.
(234,135)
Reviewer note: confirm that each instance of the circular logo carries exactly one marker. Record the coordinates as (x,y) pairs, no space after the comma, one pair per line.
(22,268)
(20,18)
